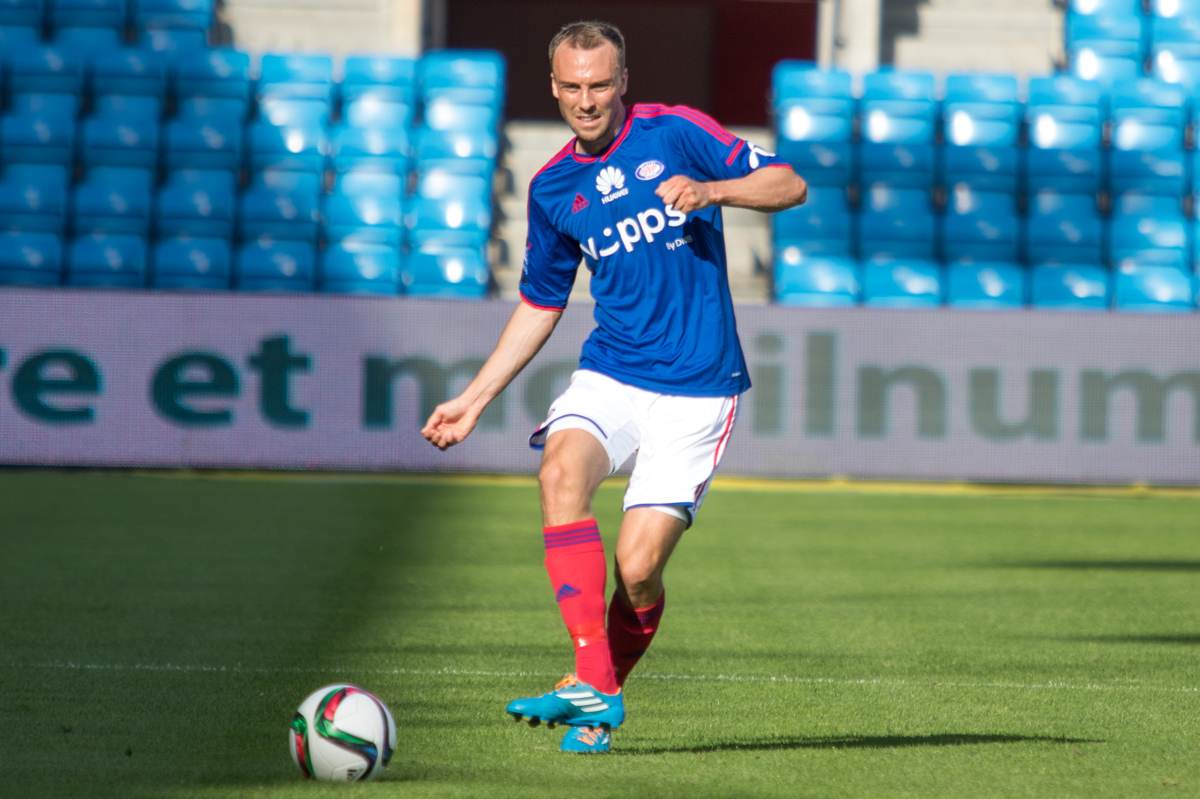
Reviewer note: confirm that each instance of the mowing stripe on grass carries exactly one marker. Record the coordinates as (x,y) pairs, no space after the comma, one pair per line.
(451,672)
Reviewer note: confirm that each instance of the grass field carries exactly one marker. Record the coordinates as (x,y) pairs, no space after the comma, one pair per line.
(157,633)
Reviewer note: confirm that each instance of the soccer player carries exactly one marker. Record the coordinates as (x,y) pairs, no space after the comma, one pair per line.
(636,195)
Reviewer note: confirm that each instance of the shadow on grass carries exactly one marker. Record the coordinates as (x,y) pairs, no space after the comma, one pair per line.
(1110,565)
(856,742)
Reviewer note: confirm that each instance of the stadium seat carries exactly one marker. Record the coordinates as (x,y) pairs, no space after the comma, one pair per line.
(187,263)
(1064,228)
(33,198)
(1066,120)
(216,73)
(87,42)
(464,152)
(898,128)
(460,222)
(369,111)
(113,200)
(88,14)
(434,270)
(384,78)
(1148,121)
(290,112)
(442,185)
(107,261)
(128,72)
(815,280)
(982,121)
(62,107)
(1154,289)
(1070,287)
(296,149)
(821,226)
(1104,48)
(31,259)
(446,114)
(269,265)
(897,223)
(198,203)
(206,143)
(1176,62)
(814,113)
(49,70)
(37,139)
(173,15)
(465,76)
(365,206)
(13,37)
(225,109)
(1173,8)
(127,107)
(174,44)
(901,283)
(355,267)
(1149,230)
(22,13)
(986,284)
(371,149)
(980,225)
(298,77)
(281,205)
(119,141)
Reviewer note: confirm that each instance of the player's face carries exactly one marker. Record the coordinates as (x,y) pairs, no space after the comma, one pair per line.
(588,85)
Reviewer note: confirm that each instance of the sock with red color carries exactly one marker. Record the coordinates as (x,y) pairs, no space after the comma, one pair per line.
(578,573)
(630,632)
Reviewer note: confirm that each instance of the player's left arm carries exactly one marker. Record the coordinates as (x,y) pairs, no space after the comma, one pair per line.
(768,189)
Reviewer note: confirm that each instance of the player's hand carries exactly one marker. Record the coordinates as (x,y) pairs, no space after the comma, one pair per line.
(450,423)
(684,194)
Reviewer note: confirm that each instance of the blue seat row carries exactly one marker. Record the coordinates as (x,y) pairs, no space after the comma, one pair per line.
(1110,40)
(198,263)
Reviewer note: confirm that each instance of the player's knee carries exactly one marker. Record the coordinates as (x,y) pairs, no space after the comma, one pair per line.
(640,575)
(560,483)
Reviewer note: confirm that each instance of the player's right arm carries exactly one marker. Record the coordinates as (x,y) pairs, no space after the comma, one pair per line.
(527,330)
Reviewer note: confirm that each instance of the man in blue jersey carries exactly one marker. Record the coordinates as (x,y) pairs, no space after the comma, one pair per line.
(636,195)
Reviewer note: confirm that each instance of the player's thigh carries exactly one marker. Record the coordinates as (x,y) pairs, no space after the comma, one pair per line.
(574,462)
(646,541)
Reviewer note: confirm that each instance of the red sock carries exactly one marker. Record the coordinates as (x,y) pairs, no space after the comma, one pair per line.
(578,573)
(630,632)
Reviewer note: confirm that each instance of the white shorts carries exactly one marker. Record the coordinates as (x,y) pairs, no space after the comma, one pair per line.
(678,440)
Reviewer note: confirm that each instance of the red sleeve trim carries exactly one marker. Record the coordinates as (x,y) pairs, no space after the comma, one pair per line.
(737,148)
(697,118)
(560,155)
(526,300)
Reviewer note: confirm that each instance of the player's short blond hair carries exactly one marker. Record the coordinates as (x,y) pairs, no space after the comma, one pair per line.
(589,36)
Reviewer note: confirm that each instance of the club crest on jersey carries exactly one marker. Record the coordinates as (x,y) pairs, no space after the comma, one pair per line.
(611,183)
(649,170)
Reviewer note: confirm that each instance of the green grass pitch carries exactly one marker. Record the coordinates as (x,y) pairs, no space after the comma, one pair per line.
(157,633)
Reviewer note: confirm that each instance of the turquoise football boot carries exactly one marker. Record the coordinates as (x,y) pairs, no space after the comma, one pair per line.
(571,702)
(586,740)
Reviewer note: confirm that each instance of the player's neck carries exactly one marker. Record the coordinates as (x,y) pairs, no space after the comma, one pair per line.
(596,147)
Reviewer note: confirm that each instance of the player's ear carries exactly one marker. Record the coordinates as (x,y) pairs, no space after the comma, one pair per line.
(553,86)
(624,81)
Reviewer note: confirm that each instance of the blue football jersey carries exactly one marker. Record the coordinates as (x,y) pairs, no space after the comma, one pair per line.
(664,315)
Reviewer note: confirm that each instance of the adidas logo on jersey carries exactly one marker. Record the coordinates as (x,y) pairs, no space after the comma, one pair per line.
(579,204)
(611,183)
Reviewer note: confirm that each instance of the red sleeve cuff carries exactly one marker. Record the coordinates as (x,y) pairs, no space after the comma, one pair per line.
(532,304)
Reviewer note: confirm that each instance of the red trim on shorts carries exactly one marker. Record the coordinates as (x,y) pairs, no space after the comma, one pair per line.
(720,445)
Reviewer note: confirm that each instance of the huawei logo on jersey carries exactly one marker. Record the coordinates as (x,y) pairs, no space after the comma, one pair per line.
(611,183)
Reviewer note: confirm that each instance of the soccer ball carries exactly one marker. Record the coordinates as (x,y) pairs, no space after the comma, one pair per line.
(342,733)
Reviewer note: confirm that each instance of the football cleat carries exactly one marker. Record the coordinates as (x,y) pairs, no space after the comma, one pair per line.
(586,740)
(571,702)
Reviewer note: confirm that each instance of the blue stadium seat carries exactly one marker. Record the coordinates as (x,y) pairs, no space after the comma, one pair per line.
(464,152)
(225,109)
(1066,123)
(88,14)
(31,259)
(1064,228)
(898,128)
(1173,8)
(387,79)
(1176,62)
(901,283)
(897,223)
(299,77)
(269,265)
(1149,230)
(215,73)
(127,107)
(821,226)
(33,198)
(374,149)
(464,222)
(296,149)
(446,114)
(980,225)
(814,113)
(1148,120)
(87,41)
(127,72)
(1104,48)
(792,79)
(62,107)
(281,205)
(45,69)
(22,13)
(369,111)
(351,266)
(186,263)
(443,185)
(986,284)
(105,261)
(197,203)
(1106,8)
(173,15)
(113,200)
(366,206)
(13,37)
(205,143)
(815,280)
(119,141)
(440,271)
(1154,289)
(982,122)
(1071,287)
(174,44)
(290,112)
(465,76)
